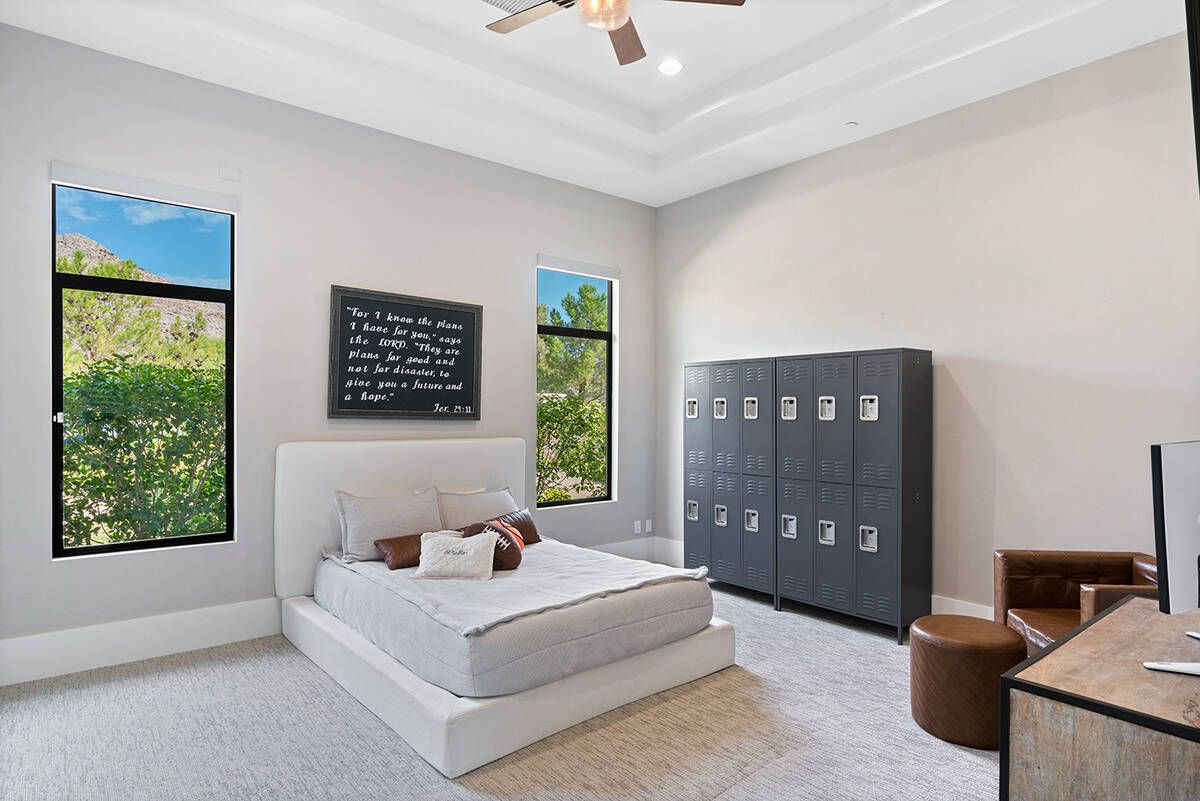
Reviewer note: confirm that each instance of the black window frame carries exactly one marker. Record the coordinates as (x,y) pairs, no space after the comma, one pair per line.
(607,337)
(63,281)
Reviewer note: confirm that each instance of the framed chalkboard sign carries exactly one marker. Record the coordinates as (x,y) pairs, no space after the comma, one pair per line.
(403,357)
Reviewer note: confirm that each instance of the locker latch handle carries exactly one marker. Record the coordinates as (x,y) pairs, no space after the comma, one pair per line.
(719,408)
(750,408)
(752,521)
(693,408)
(826,408)
(826,532)
(720,515)
(787,408)
(693,510)
(787,528)
(868,408)
(868,539)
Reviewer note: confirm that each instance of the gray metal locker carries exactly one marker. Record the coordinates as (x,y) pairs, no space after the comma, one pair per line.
(876,554)
(697,517)
(758,533)
(877,420)
(833,560)
(794,539)
(758,423)
(697,417)
(725,529)
(834,418)
(726,414)
(794,418)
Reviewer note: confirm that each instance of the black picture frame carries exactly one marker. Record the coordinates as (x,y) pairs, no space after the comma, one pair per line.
(337,350)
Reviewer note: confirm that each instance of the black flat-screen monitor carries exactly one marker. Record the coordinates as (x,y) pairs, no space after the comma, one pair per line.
(1175,468)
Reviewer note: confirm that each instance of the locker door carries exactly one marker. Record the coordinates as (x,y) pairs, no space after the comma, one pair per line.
(758,533)
(833,417)
(758,424)
(877,420)
(725,516)
(795,540)
(876,551)
(726,416)
(697,418)
(697,517)
(794,416)
(833,560)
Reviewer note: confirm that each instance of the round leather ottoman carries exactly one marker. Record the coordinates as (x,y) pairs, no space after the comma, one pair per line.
(955,676)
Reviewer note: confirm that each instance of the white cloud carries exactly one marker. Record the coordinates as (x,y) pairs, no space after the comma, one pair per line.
(148,213)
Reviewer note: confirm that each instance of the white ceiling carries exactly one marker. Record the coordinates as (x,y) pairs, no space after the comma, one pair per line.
(764,84)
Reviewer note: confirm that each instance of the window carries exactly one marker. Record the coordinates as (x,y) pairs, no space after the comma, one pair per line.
(142,372)
(574,388)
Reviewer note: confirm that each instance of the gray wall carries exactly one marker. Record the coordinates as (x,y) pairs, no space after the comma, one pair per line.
(321,202)
(1045,244)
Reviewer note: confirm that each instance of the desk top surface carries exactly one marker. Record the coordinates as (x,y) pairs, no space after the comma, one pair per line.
(1104,662)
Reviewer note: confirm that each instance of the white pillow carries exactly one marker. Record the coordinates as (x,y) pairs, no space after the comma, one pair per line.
(461,509)
(446,554)
(365,520)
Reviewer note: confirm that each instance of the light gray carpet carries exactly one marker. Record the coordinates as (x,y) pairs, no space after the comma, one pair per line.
(817,708)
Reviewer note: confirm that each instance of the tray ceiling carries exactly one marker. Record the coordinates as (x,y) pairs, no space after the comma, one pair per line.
(763,84)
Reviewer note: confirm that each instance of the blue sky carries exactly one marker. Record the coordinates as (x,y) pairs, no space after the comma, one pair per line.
(183,245)
(553,286)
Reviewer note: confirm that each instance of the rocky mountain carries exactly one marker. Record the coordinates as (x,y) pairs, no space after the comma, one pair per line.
(65,246)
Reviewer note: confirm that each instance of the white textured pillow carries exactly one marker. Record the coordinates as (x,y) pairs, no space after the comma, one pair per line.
(461,509)
(365,520)
(446,554)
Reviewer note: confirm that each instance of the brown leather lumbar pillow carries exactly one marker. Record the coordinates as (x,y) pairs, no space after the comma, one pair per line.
(400,552)
(509,544)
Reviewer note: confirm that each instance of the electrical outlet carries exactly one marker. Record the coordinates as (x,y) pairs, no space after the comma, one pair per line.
(649,525)
(637,526)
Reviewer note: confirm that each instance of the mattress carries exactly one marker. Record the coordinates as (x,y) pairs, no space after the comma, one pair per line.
(553,637)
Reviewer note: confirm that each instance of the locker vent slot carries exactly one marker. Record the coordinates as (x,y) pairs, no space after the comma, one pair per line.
(750,408)
(795,372)
(833,595)
(834,370)
(752,521)
(697,459)
(696,375)
(697,480)
(834,468)
(720,408)
(759,577)
(724,461)
(877,500)
(693,408)
(793,464)
(757,372)
(826,532)
(876,472)
(787,527)
(827,408)
(795,586)
(875,368)
(695,560)
(868,408)
(757,486)
(726,568)
(720,515)
(835,495)
(879,604)
(725,483)
(868,539)
(693,510)
(724,375)
(795,492)
(787,408)
(757,464)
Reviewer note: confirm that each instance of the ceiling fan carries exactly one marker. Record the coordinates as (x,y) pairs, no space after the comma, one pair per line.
(606,15)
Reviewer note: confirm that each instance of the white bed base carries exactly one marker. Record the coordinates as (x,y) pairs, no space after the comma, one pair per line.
(457,735)
(453,734)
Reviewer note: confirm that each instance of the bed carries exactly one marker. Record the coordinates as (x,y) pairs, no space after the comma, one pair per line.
(489,697)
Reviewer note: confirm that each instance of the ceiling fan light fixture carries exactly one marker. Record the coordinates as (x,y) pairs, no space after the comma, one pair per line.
(605,15)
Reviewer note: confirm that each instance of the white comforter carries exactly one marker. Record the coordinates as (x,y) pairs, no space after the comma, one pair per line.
(552,575)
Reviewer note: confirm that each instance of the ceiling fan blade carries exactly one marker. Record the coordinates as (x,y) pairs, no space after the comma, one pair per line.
(523,18)
(716,2)
(627,43)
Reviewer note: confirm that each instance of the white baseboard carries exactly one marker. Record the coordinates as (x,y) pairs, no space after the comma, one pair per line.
(670,552)
(54,653)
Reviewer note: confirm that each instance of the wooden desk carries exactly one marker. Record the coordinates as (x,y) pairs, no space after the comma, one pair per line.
(1083,719)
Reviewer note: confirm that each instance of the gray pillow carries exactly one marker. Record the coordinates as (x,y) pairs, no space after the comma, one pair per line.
(365,520)
(461,509)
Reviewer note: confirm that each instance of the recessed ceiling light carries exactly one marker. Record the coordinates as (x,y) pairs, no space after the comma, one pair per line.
(852,123)
(670,66)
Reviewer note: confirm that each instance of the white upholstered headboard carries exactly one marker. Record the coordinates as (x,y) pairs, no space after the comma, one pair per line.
(308,473)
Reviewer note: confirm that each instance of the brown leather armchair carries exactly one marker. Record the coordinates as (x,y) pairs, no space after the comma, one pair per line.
(1044,594)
